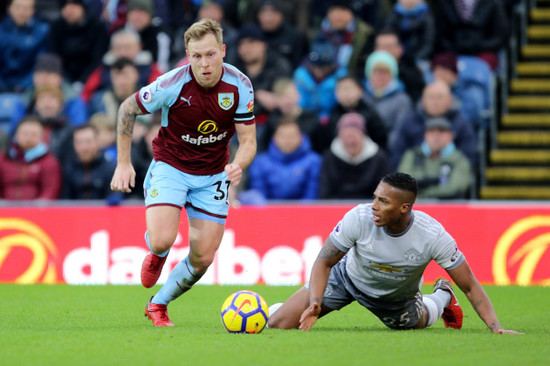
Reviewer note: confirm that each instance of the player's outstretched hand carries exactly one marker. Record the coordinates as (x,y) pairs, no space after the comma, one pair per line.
(310,316)
(506,331)
(124,178)
(234,173)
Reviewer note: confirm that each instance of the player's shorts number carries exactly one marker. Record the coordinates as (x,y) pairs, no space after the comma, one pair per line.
(220,193)
(393,322)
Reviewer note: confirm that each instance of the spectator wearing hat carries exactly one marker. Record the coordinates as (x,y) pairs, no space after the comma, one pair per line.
(22,38)
(48,71)
(289,169)
(385,91)
(154,38)
(124,43)
(469,93)
(350,98)
(316,79)
(263,67)
(28,171)
(280,35)
(471,27)
(409,73)
(437,102)
(440,169)
(352,37)
(79,40)
(414,22)
(354,164)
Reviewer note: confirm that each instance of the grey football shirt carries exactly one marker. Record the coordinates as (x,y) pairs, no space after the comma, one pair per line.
(390,267)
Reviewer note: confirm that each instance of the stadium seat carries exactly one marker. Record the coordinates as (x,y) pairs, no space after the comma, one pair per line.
(474,69)
(11,111)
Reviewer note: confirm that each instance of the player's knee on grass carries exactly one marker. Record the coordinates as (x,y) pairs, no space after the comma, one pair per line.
(282,320)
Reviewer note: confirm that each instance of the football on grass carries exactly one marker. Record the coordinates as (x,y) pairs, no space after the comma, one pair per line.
(244,312)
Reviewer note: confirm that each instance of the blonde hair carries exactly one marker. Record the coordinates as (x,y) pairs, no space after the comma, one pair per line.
(201,28)
(102,121)
(280,85)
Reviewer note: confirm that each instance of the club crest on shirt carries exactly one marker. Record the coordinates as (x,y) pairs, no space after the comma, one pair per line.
(413,256)
(225,100)
(145,95)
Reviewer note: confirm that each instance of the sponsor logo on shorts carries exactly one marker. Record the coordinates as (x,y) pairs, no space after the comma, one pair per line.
(225,100)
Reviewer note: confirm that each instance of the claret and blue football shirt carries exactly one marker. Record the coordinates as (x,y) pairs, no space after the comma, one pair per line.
(197,123)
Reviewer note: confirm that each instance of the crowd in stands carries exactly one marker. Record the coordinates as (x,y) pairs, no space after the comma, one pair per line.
(346,91)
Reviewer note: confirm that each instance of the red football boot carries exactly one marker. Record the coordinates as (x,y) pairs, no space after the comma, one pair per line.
(158,314)
(452,314)
(151,268)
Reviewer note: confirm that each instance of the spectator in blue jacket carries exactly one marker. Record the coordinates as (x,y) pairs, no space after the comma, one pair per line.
(22,38)
(437,102)
(289,170)
(316,79)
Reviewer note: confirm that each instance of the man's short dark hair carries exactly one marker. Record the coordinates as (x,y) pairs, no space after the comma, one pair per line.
(389,31)
(121,63)
(402,181)
(86,126)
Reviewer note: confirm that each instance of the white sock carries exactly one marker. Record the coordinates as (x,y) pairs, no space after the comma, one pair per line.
(435,303)
(273,308)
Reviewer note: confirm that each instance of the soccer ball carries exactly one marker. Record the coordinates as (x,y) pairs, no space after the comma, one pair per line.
(244,312)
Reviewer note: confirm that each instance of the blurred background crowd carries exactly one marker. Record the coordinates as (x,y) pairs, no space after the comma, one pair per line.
(346,91)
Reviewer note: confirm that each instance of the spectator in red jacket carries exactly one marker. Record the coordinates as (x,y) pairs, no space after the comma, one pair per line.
(28,171)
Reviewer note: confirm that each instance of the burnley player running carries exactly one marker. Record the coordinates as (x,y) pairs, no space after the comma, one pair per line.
(388,246)
(202,104)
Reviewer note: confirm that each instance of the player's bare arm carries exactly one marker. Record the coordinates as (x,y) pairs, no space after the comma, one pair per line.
(327,258)
(466,281)
(124,176)
(246,134)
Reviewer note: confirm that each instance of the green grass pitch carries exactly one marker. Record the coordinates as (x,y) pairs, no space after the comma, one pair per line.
(104,325)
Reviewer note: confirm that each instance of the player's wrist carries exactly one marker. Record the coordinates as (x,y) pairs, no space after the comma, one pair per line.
(314,300)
